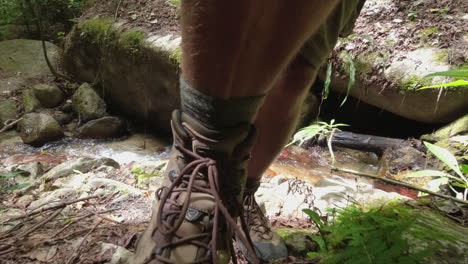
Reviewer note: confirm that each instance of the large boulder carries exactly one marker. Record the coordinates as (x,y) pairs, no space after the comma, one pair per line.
(21,59)
(87,103)
(392,53)
(138,72)
(7,111)
(48,95)
(104,127)
(38,129)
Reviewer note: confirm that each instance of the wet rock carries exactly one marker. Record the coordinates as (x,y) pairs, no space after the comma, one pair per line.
(10,138)
(38,129)
(7,111)
(48,95)
(30,102)
(458,127)
(34,169)
(51,198)
(24,201)
(82,165)
(297,240)
(21,59)
(131,84)
(104,127)
(61,117)
(87,103)
(119,254)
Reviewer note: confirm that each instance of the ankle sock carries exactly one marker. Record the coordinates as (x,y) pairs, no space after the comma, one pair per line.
(213,112)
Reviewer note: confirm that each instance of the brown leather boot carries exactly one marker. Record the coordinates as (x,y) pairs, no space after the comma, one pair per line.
(268,245)
(194,214)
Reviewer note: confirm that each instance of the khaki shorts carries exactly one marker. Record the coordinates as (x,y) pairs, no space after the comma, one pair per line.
(340,23)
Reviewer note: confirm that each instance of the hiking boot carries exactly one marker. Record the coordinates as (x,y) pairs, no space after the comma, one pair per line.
(268,245)
(194,214)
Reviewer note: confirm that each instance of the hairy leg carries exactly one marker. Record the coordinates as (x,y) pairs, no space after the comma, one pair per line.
(239,48)
(278,116)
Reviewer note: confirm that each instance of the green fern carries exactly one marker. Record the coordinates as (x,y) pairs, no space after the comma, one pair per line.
(377,235)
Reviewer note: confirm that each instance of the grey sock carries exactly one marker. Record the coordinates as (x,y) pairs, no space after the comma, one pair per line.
(214,112)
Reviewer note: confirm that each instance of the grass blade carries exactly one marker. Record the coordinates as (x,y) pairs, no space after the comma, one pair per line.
(352,77)
(450,84)
(326,87)
(460,73)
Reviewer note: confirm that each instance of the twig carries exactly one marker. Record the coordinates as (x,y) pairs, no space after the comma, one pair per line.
(8,125)
(38,225)
(77,250)
(78,219)
(58,206)
(8,251)
(407,185)
(117,11)
(103,217)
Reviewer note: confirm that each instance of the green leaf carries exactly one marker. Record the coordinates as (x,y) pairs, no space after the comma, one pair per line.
(306,134)
(464,168)
(450,84)
(16,187)
(352,77)
(428,173)
(460,73)
(462,185)
(326,87)
(320,242)
(314,216)
(313,255)
(445,156)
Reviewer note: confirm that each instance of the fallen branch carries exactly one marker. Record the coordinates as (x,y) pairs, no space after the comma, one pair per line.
(58,206)
(77,250)
(38,225)
(78,219)
(10,124)
(103,217)
(407,185)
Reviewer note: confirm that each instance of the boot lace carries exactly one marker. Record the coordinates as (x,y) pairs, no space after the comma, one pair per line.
(201,176)
(255,218)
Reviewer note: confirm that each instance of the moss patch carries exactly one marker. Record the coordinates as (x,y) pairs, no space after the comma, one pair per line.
(412,83)
(427,33)
(140,174)
(132,41)
(176,55)
(102,32)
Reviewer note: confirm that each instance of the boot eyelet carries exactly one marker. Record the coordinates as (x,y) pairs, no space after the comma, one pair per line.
(172,175)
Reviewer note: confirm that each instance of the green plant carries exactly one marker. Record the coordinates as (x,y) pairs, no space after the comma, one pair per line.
(412,15)
(5,176)
(320,129)
(459,73)
(377,235)
(458,179)
(132,41)
(140,173)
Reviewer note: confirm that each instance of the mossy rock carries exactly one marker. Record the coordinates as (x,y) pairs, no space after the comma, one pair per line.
(30,102)
(297,240)
(25,56)
(7,110)
(38,129)
(48,95)
(87,103)
(138,73)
